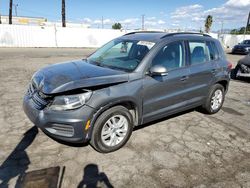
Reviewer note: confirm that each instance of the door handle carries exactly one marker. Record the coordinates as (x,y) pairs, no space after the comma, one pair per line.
(213,71)
(184,78)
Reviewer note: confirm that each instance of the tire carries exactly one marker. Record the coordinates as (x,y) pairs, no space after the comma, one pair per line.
(105,129)
(234,72)
(208,107)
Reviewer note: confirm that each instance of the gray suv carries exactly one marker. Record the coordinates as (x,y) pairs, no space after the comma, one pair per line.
(130,81)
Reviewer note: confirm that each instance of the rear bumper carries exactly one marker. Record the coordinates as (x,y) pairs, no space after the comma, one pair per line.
(68,126)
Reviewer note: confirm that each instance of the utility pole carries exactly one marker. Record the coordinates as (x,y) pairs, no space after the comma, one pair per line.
(222,27)
(63,14)
(142,22)
(0,16)
(102,23)
(248,23)
(10,12)
(15,5)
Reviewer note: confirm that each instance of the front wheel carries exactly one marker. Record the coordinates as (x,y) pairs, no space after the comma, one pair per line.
(112,129)
(215,99)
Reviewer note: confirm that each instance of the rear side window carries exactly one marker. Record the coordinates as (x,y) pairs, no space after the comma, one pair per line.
(212,51)
(170,56)
(198,52)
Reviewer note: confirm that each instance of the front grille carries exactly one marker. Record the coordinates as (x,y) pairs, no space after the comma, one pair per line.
(39,101)
(61,130)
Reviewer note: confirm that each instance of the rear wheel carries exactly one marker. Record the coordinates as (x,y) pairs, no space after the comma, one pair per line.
(112,129)
(215,99)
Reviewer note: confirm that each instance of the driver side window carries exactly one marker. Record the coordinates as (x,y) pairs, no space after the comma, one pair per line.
(170,56)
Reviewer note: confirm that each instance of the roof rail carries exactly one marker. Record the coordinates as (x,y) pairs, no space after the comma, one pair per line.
(134,32)
(185,33)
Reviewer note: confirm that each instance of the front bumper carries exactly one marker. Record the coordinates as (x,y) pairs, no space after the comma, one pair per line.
(67,126)
(243,71)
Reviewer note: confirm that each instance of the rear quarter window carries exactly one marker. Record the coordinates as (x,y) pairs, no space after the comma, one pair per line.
(222,54)
(213,53)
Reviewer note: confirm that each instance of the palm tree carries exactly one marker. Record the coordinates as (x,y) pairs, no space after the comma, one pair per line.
(10,12)
(208,23)
(63,14)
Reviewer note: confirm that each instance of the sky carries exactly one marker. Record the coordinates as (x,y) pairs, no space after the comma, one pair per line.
(159,14)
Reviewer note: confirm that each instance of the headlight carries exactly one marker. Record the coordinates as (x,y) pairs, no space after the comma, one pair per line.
(248,48)
(69,102)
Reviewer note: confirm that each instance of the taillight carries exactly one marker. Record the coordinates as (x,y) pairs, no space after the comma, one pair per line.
(229,65)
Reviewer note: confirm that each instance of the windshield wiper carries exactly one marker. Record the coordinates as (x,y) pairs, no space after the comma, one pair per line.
(94,62)
(117,68)
(108,66)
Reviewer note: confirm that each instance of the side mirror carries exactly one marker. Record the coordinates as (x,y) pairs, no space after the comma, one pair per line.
(158,70)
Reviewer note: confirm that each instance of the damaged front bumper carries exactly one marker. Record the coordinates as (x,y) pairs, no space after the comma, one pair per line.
(243,71)
(69,126)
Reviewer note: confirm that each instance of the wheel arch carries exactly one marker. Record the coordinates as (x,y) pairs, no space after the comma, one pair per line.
(224,83)
(131,105)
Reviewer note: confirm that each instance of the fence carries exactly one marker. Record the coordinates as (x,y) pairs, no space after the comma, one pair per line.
(52,36)
(230,40)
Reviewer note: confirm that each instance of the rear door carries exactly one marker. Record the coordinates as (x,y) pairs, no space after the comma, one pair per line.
(203,68)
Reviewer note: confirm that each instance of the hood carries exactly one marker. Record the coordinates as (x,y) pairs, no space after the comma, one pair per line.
(68,76)
(245,60)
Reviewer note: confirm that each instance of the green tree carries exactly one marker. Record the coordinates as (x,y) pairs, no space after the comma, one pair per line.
(240,31)
(234,32)
(208,23)
(117,26)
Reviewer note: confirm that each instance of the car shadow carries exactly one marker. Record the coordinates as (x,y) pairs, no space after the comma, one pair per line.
(230,53)
(93,178)
(242,80)
(18,161)
(164,119)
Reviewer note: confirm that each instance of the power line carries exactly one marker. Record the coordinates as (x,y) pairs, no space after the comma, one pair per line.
(39,13)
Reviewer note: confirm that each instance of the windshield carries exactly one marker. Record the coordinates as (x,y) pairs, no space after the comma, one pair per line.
(120,54)
(246,42)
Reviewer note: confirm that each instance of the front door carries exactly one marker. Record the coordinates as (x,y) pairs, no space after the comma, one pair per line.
(165,94)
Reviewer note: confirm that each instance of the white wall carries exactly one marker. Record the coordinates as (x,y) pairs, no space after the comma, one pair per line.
(229,41)
(51,36)
(37,36)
